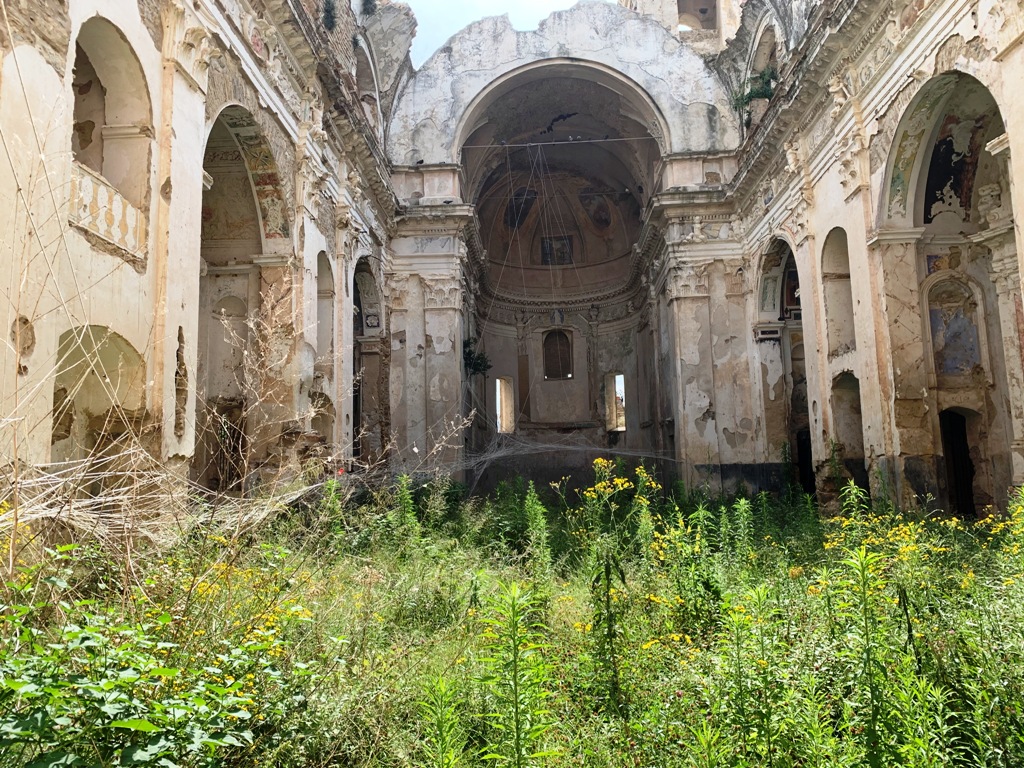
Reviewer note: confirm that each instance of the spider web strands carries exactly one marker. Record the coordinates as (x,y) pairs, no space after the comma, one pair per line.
(129,495)
(560,142)
(507,447)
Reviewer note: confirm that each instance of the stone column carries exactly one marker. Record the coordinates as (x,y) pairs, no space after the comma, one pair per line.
(427,332)
(188,49)
(909,443)
(443,367)
(1002,246)
(690,350)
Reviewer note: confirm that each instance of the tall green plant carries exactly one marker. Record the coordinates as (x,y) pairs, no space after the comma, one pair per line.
(445,733)
(516,680)
(864,585)
(608,595)
(538,547)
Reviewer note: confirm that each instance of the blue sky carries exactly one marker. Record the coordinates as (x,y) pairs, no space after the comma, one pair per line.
(440,19)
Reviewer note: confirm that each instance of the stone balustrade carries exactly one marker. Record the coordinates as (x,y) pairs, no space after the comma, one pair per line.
(99,209)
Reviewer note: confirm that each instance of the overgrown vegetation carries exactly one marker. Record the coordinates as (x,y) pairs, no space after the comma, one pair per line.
(330,15)
(623,626)
(760,86)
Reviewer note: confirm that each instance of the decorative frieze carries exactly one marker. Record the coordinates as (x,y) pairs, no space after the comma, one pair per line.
(687,280)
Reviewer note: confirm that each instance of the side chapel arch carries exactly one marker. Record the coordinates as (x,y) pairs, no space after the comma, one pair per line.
(244,312)
(947,178)
(781,340)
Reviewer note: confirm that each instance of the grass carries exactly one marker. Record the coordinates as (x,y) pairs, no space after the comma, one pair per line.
(625,626)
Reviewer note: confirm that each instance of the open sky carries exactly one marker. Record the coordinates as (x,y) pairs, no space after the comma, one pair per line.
(440,19)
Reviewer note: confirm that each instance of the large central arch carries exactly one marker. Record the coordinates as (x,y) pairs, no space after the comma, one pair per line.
(673,83)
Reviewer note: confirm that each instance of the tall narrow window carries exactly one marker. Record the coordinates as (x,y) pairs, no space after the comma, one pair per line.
(557,355)
(615,402)
(503,398)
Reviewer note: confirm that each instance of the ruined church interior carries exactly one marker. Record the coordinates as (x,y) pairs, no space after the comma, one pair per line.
(750,244)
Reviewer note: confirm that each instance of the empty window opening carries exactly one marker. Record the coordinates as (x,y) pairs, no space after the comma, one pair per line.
(835,263)
(557,355)
(615,402)
(503,405)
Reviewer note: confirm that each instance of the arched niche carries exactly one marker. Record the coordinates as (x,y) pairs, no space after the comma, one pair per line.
(113,119)
(848,425)
(369,395)
(957,338)
(838,292)
(325,316)
(99,394)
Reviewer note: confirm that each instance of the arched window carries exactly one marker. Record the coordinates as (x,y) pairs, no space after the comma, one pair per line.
(325,314)
(557,355)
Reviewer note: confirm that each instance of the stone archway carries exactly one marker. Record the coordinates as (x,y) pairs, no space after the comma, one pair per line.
(780,338)
(245,391)
(559,165)
(948,191)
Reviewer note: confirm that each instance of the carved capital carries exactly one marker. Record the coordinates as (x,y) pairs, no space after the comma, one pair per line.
(687,280)
(442,292)
(189,44)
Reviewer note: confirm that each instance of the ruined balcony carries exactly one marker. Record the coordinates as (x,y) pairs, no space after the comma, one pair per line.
(109,221)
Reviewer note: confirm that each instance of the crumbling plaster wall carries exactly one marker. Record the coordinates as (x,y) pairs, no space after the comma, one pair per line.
(432,105)
(66,277)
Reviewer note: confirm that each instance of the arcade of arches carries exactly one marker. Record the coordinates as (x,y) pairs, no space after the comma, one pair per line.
(753,243)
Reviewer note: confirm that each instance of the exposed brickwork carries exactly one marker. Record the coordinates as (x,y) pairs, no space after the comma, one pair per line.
(43,24)
(150,12)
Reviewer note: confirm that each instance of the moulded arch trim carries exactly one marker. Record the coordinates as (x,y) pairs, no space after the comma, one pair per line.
(260,163)
(120,82)
(364,49)
(501,85)
(766,20)
(909,149)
